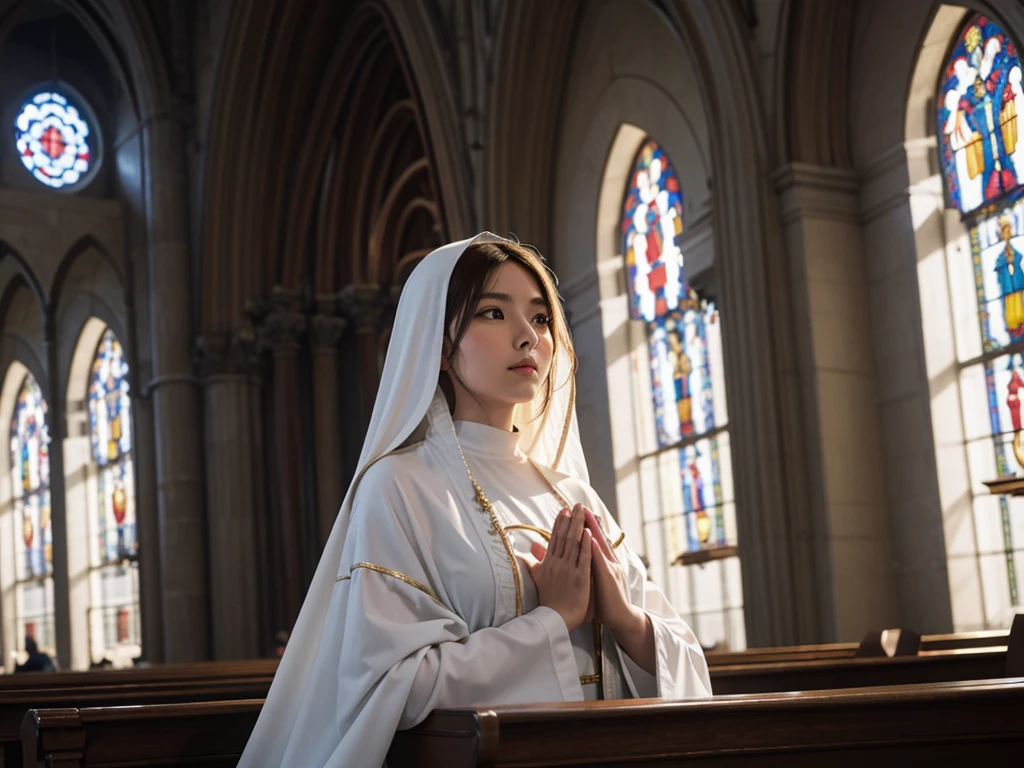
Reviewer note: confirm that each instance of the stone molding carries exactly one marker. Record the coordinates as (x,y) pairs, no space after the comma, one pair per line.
(326,332)
(227,354)
(282,331)
(364,306)
(813,191)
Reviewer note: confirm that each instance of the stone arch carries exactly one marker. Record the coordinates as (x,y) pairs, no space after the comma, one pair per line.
(87,285)
(733,224)
(84,244)
(811,104)
(915,244)
(31,280)
(21,353)
(532,55)
(81,488)
(613,103)
(367,79)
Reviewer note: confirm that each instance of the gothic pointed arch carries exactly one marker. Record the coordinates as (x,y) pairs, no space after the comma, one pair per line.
(322,192)
(979,118)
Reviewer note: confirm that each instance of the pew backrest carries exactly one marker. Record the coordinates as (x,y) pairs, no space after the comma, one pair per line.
(945,723)
(208,681)
(207,734)
(926,667)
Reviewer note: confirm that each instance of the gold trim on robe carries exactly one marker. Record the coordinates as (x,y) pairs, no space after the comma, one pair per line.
(395,575)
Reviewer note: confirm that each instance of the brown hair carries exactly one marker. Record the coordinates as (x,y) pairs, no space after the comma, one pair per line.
(473,272)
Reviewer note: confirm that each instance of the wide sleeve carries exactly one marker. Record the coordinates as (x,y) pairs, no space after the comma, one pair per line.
(681,669)
(405,651)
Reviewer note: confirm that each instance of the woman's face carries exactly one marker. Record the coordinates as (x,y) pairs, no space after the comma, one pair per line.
(504,358)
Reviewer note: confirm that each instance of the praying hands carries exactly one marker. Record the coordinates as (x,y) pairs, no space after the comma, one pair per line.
(585,561)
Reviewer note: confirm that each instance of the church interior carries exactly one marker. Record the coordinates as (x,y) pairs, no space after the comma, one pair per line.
(789,242)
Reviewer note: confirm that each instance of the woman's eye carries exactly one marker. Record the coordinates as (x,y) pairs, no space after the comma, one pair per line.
(492,314)
(542,319)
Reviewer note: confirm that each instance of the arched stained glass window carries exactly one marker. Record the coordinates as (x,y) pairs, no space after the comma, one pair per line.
(979,106)
(689,502)
(54,140)
(30,475)
(114,615)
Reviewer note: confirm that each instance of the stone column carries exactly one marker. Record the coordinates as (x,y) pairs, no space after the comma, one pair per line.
(233,438)
(326,333)
(281,333)
(829,290)
(365,306)
(175,392)
(146,507)
(58,505)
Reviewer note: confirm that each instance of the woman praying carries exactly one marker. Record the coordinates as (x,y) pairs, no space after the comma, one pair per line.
(471,562)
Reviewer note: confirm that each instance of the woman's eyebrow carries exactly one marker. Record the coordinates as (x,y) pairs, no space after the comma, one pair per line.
(505,297)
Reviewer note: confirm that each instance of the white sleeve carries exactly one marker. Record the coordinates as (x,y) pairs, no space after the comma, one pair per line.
(528,659)
(681,670)
(399,626)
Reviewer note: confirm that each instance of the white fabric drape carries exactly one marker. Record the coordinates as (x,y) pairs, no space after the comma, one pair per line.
(401,616)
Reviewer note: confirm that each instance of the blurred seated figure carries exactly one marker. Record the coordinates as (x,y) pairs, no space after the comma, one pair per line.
(37,661)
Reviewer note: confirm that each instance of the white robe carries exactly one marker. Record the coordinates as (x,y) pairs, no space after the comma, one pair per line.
(427,597)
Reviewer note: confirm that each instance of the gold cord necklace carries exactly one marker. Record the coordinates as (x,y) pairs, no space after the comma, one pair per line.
(497,529)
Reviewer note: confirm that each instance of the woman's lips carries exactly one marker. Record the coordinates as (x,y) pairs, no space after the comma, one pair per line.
(524,370)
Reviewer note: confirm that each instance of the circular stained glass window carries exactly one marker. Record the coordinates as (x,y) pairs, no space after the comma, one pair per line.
(54,140)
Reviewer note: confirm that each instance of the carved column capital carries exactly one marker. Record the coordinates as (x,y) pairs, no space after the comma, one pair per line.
(227,353)
(365,305)
(282,331)
(326,331)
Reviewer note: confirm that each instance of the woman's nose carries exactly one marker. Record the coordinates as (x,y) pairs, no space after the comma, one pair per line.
(528,337)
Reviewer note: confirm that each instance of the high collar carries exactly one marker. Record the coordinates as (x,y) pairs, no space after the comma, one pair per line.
(485,440)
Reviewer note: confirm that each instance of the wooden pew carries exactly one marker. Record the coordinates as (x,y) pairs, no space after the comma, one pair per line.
(214,733)
(944,723)
(200,734)
(975,723)
(826,651)
(926,667)
(208,681)
(971,657)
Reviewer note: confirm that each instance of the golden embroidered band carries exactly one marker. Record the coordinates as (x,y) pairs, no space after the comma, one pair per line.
(395,575)
(547,534)
(589,679)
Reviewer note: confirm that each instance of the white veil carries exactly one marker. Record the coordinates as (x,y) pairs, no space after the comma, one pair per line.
(407,386)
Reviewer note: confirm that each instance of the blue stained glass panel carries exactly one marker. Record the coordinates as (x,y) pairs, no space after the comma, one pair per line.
(30,474)
(53,140)
(652,217)
(979,108)
(109,403)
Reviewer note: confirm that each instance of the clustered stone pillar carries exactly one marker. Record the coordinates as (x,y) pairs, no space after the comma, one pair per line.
(326,331)
(829,294)
(233,436)
(282,333)
(58,509)
(175,392)
(366,306)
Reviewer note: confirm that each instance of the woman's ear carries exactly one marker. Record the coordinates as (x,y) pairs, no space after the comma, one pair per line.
(446,363)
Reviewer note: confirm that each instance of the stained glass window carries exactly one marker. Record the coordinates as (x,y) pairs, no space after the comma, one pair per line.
(53,140)
(114,617)
(978,108)
(30,475)
(979,102)
(689,503)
